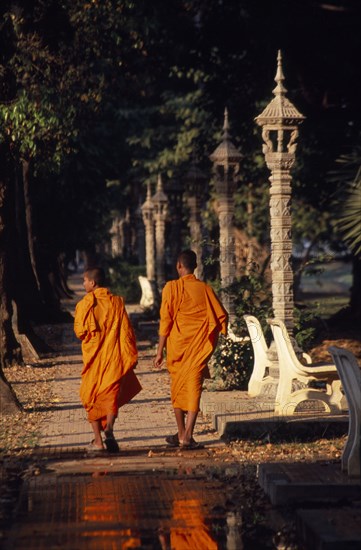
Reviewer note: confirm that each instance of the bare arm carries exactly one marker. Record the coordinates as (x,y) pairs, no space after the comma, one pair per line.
(158,360)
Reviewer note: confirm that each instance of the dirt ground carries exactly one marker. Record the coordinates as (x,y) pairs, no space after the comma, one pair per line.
(339,331)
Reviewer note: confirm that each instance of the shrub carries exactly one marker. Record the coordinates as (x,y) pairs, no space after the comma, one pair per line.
(232,361)
(124,279)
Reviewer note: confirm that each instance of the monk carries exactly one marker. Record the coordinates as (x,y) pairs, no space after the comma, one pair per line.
(109,357)
(191,318)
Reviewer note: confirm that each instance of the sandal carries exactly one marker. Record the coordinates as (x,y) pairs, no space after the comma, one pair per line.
(191,445)
(110,443)
(92,448)
(173,440)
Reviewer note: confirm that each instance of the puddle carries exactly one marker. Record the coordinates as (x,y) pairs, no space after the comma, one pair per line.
(109,511)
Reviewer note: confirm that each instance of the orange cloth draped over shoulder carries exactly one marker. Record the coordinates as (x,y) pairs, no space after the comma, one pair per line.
(109,354)
(191,317)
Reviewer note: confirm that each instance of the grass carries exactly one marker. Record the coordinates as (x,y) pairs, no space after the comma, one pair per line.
(325,306)
(325,289)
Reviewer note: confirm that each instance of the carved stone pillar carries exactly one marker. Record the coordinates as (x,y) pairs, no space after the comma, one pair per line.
(126,232)
(148,219)
(115,240)
(160,205)
(279,122)
(140,235)
(195,183)
(226,159)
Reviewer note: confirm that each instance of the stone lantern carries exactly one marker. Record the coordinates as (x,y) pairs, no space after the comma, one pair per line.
(116,247)
(140,233)
(279,122)
(160,205)
(195,183)
(226,163)
(148,220)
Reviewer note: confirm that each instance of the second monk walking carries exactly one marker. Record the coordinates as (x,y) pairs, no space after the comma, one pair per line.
(191,318)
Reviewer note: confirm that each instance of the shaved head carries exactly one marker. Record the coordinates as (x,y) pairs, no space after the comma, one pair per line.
(188,259)
(96,274)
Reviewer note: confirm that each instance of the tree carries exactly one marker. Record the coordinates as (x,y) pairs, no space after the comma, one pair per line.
(116,91)
(9,348)
(346,212)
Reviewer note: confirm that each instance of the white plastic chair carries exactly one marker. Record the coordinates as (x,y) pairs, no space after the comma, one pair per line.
(290,369)
(261,361)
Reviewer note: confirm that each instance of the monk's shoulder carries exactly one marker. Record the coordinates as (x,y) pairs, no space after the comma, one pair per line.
(169,288)
(85,301)
(170,284)
(117,300)
(209,291)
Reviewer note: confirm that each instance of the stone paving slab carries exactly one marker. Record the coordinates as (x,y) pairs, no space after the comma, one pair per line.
(297,482)
(333,529)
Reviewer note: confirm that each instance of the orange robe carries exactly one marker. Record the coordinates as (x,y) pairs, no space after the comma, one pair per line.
(190,531)
(191,317)
(109,354)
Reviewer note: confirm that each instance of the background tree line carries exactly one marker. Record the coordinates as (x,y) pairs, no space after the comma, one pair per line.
(98,96)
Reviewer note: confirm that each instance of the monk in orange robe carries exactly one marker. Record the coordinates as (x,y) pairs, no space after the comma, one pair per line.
(191,318)
(109,357)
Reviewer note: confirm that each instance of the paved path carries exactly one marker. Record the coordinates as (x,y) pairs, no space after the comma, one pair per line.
(147,497)
(142,424)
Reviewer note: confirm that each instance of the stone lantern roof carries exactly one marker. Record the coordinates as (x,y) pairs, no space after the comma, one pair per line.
(160,201)
(147,206)
(226,153)
(280,111)
(159,196)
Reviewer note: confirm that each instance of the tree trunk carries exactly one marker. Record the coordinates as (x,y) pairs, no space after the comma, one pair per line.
(43,262)
(9,348)
(29,219)
(25,289)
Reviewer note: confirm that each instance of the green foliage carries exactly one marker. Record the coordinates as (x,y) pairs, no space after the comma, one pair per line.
(250,294)
(304,328)
(32,128)
(110,90)
(232,361)
(252,209)
(124,279)
(346,209)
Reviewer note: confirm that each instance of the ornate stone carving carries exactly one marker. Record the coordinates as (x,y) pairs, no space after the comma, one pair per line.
(279,122)
(147,214)
(226,159)
(160,205)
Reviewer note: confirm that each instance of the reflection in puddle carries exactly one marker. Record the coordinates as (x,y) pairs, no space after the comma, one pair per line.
(190,530)
(126,512)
